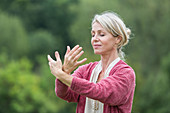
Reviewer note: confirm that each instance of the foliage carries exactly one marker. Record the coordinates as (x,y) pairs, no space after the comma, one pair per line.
(13,38)
(153,95)
(40,43)
(52,16)
(21,90)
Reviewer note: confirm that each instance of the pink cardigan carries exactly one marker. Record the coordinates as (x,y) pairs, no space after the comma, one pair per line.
(115,91)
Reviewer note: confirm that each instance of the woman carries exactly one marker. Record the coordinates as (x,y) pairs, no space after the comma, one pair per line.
(106,86)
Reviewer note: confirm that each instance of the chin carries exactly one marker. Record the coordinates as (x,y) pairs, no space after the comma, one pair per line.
(97,52)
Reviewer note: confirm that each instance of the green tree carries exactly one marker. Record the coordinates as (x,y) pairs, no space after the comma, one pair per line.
(21,89)
(42,42)
(153,95)
(13,39)
(53,16)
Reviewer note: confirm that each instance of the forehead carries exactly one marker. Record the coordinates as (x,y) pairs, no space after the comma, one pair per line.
(97,27)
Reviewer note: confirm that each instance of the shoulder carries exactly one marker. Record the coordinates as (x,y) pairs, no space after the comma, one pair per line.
(121,65)
(124,70)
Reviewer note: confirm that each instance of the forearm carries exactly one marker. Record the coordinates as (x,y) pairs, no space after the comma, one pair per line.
(60,89)
(65,93)
(107,90)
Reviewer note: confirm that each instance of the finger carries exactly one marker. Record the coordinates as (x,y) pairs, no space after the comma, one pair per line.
(78,56)
(57,56)
(49,64)
(68,50)
(50,59)
(73,50)
(76,52)
(81,61)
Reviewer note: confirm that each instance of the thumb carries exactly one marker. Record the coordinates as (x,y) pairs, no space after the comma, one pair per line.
(68,50)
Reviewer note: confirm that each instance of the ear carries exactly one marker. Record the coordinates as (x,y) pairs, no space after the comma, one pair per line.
(118,39)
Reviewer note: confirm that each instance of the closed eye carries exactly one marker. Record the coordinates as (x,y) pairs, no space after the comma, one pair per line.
(102,35)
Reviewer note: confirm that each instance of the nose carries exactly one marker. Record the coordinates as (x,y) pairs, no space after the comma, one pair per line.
(95,38)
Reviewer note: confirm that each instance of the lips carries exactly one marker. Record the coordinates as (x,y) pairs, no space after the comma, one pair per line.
(96,46)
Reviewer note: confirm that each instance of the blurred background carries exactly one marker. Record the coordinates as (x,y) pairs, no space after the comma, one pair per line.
(31,29)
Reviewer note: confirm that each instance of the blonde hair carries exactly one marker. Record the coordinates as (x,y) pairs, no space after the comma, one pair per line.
(115,25)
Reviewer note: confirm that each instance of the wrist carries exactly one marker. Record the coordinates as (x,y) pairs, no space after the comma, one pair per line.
(65,78)
(58,73)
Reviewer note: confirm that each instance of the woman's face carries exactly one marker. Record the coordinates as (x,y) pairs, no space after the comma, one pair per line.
(102,41)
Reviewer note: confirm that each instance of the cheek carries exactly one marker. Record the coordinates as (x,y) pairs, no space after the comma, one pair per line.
(109,44)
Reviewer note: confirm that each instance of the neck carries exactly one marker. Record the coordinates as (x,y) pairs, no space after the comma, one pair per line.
(106,59)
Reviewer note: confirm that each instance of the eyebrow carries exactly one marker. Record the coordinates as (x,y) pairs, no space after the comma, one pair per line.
(97,31)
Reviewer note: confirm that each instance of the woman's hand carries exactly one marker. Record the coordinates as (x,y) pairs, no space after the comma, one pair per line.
(55,66)
(71,57)
(56,70)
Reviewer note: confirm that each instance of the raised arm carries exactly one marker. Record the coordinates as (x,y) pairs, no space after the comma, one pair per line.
(62,73)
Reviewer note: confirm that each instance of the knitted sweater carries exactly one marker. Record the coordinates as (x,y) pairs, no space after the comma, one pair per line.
(115,91)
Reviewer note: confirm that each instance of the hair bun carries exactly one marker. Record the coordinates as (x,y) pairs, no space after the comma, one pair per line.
(128,31)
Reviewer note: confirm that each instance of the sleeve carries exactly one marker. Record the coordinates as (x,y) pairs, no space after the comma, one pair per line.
(112,90)
(64,92)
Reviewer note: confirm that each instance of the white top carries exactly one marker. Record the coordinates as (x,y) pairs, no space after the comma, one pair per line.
(94,106)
